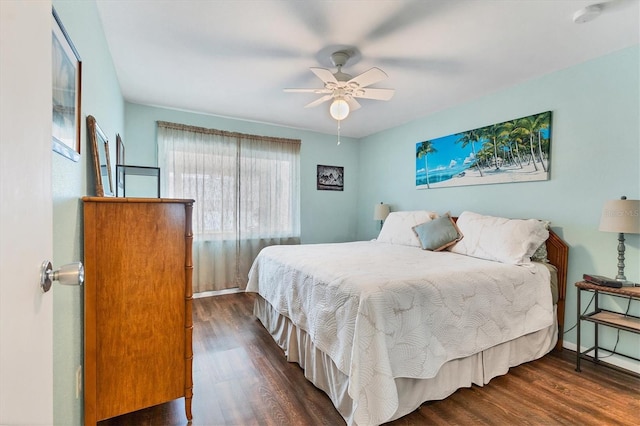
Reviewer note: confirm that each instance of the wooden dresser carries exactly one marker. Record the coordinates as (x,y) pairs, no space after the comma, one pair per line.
(137,304)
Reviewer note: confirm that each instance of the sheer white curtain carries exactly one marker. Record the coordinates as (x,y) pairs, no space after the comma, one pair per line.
(246,191)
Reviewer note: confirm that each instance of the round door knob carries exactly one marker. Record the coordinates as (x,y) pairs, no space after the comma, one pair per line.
(69,274)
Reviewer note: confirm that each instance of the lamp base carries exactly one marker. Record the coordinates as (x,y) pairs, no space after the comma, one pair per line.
(621,250)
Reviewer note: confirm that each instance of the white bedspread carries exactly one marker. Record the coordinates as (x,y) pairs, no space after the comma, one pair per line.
(382,311)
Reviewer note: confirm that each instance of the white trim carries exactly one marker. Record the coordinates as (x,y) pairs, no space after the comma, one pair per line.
(217,292)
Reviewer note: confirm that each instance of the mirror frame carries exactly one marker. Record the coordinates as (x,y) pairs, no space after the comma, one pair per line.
(96,136)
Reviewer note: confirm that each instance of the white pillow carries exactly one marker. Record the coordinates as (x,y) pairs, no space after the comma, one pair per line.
(504,240)
(398,227)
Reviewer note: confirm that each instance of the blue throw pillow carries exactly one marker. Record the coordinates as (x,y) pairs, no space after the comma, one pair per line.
(438,234)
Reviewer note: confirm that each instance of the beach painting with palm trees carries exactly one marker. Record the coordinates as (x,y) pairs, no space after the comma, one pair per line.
(513,151)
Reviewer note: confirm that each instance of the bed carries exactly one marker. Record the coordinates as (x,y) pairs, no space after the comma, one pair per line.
(432,305)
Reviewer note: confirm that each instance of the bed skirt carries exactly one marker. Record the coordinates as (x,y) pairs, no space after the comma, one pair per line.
(476,369)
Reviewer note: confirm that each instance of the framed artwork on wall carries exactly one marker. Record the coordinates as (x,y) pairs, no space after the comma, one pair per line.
(330,178)
(101,161)
(517,150)
(66,94)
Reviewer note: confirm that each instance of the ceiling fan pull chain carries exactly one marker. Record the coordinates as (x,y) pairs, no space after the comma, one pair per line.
(339,131)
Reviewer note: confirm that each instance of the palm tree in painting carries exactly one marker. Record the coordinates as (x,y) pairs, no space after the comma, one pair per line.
(543,123)
(483,157)
(470,137)
(513,142)
(424,148)
(508,153)
(518,144)
(528,127)
(521,135)
(494,134)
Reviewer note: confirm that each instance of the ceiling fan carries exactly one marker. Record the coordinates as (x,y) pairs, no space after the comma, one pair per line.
(344,89)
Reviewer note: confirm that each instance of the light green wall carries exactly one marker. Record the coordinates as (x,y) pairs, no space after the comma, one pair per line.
(101,98)
(326,216)
(595,157)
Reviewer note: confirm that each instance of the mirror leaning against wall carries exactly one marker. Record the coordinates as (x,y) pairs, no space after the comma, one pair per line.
(102,165)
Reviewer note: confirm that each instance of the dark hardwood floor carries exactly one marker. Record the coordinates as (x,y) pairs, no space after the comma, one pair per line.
(242,378)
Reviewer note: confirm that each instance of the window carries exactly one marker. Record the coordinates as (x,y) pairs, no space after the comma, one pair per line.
(246,190)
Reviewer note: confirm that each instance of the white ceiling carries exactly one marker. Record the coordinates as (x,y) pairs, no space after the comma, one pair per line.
(233,58)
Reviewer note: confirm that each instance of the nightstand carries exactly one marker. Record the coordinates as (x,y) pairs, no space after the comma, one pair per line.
(599,316)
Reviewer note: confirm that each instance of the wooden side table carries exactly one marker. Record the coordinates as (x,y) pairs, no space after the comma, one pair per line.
(599,316)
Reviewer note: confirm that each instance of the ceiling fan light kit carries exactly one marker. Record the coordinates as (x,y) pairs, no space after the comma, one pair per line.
(343,89)
(339,109)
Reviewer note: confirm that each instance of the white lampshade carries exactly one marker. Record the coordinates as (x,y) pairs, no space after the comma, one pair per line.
(339,109)
(381,211)
(621,216)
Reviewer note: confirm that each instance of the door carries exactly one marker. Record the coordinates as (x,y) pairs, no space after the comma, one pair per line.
(26,350)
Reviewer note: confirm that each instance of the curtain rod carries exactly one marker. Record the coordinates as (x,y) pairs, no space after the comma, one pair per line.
(204,130)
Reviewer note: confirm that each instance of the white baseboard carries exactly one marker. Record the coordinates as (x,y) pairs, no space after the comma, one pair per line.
(618,361)
(217,292)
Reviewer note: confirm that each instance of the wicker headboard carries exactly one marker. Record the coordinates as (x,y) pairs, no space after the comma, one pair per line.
(558,255)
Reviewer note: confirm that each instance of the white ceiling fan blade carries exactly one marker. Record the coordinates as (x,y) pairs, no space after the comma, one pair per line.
(371,93)
(317,91)
(325,75)
(367,78)
(353,104)
(318,101)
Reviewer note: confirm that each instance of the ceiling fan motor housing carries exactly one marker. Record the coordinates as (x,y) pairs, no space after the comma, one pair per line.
(339,59)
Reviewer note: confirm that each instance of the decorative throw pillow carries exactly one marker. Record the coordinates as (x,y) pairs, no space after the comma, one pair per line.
(438,234)
(397,228)
(504,240)
(541,255)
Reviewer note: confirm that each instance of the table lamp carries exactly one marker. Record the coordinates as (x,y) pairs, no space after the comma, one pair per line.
(381,212)
(621,216)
